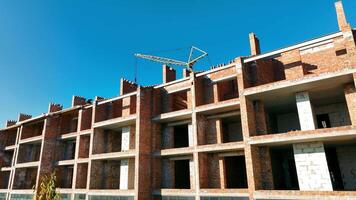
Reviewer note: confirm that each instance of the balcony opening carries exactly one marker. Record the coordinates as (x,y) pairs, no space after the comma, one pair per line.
(283,168)
(86,122)
(175,136)
(112,174)
(235,172)
(84,146)
(4,179)
(32,130)
(113,140)
(219,128)
(9,137)
(82,173)
(232,129)
(227,89)
(174,101)
(66,149)
(340,158)
(29,152)
(330,108)
(182,174)
(25,178)
(281,114)
(6,158)
(69,122)
(64,176)
(181,136)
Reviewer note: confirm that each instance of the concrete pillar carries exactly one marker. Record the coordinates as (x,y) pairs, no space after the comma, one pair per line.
(305,111)
(192,174)
(312,168)
(222,172)
(219,132)
(190,135)
(124,174)
(125,139)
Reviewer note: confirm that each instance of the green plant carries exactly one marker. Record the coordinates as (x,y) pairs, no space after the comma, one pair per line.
(47,188)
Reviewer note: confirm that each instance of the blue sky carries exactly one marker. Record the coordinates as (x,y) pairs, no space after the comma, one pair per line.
(51,50)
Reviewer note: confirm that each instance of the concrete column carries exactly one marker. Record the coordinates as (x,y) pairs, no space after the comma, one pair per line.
(124,174)
(305,111)
(192,174)
(219,132)
(222,172)
(312,167)
(125,139)
(190,135)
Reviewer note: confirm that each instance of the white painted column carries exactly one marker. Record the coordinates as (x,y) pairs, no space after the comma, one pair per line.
(192,174)
(190,135)
(125,139)
(305,111)
(312,167)
(124,174)
(310,159)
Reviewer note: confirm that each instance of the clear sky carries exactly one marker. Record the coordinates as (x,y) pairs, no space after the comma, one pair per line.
(51,50)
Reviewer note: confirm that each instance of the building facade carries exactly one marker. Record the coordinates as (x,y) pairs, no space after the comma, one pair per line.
(276,125)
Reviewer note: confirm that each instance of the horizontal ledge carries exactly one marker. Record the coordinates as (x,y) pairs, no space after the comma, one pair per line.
(82,160)
(175,192)
(296,194)
(114,155)
(285,84)
(65,162)
(300,45)
(215,70)
(111,192)
(174,152)
(230,146)
(116,98)
(85,132)
(21,191)
(222,106)
(337,133)
(116,122)
(68,135)
(172,82)
(31,139)
(6,169)
(213,148)
(174,116)
(11,147)
(224,192)
(27,164)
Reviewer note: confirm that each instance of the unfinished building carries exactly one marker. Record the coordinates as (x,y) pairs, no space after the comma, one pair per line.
(276,125)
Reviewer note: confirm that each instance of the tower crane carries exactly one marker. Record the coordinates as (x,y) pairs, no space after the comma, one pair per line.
(188,64)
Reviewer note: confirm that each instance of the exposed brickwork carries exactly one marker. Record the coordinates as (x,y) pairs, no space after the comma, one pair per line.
(256,116)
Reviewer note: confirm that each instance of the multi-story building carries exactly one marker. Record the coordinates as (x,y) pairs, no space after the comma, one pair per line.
(276,125)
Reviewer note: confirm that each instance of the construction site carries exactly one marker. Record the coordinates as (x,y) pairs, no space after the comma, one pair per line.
(275,125)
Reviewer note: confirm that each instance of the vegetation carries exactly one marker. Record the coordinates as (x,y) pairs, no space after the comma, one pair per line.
(47,188)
